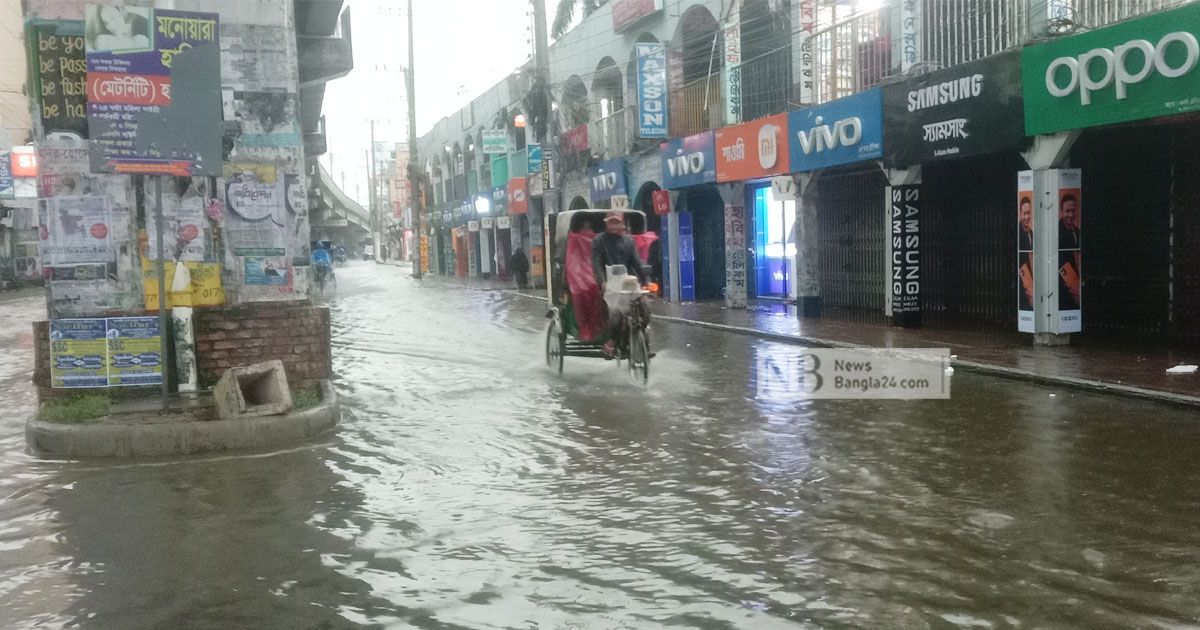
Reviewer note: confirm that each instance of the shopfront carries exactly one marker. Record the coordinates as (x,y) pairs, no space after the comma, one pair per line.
(747,156)
(1128,239)
(689,168)
(955,138)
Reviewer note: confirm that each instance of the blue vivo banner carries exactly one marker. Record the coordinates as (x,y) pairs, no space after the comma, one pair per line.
(839,132)
(652,90)
(689,161)
(607,179)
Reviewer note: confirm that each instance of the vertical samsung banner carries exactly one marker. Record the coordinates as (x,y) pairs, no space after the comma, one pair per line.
(652,90)
(906,253)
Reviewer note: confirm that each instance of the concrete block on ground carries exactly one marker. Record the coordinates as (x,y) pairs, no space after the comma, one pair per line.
(253,391)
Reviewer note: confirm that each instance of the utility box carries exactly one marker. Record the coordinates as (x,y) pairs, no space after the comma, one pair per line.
(253,391)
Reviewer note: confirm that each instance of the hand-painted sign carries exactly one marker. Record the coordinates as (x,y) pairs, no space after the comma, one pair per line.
(752,150)
(969,109)
(58,75)
(689,161)
(154,93)
(607,179)
(1135,69)
(652,90)
(844,131)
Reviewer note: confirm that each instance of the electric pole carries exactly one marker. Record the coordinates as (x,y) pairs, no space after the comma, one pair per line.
(414,184)
(371,197)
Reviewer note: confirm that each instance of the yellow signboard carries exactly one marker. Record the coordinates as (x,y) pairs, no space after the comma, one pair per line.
(203,289)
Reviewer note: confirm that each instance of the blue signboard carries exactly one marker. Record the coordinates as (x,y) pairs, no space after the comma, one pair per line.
(687,259)
(689,161)
(607,179)
(652,90)
(535,158)
(6,177)
(844,131)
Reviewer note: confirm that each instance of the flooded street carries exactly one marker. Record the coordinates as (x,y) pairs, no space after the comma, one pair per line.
(469,487)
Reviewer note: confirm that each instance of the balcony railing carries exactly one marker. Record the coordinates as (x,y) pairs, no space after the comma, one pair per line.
(697,107)
(850,56)
(766,83)
(608,135)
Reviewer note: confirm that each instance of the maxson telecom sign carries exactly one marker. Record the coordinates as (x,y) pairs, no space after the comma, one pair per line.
(1143,68)
(652,90)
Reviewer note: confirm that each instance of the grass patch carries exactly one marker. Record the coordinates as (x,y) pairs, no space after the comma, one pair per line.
(306,399)
(76,410)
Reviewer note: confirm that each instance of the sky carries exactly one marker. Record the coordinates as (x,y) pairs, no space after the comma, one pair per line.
(462,48)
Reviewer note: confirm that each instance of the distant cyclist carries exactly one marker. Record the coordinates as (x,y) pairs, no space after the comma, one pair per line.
(322,262)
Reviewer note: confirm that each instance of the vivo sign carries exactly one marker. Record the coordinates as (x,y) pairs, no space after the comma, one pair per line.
(1099,68)
(607,179)
(839,132)
(688,161)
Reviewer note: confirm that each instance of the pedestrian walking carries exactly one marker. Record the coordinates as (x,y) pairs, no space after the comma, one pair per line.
(520,267)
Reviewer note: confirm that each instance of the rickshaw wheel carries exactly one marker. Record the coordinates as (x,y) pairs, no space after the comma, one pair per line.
(554,347)
(639,357)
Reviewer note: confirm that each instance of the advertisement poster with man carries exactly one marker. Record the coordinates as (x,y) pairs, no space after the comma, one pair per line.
(1070,251)
(1025,264)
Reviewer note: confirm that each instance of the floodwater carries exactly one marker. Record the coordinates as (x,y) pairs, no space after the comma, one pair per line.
(469,487)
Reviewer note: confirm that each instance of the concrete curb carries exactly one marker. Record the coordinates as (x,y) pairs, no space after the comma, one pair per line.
(50,439)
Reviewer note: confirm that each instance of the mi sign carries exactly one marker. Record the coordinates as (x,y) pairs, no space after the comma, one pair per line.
(1142,68)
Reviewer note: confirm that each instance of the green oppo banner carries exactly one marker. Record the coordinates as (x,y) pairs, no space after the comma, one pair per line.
(1133,70)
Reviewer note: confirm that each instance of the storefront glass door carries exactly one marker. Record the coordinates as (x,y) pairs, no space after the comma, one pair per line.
(774,248)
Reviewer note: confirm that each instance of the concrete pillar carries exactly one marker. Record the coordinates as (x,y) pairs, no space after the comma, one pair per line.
(672,234)
(1050,325)
(734,197)
(902,203)
(806,270)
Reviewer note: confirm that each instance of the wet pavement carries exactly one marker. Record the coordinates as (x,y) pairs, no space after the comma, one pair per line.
(471,488)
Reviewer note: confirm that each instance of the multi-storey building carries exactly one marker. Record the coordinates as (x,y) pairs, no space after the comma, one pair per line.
(926,162)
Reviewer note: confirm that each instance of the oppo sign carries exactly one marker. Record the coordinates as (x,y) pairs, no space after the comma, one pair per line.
(1114,65)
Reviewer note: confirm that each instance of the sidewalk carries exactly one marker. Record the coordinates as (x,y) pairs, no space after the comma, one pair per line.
(1128,371)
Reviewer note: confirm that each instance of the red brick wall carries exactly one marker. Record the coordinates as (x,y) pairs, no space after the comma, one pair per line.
(293,332)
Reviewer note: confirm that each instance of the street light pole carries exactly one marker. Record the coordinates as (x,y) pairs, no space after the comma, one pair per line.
(371,196)
(414,186)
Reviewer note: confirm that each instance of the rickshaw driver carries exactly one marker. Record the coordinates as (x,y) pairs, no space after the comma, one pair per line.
(614,247)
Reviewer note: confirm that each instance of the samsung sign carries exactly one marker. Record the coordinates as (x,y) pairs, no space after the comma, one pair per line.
(689,161)
(844,131)
(652,90)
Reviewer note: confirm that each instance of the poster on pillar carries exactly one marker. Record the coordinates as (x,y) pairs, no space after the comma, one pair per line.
(1025,244)
(906,254)
(1070,251)
(154,92)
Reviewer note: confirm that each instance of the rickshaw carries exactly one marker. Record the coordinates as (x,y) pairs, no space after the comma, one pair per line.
(578,327)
